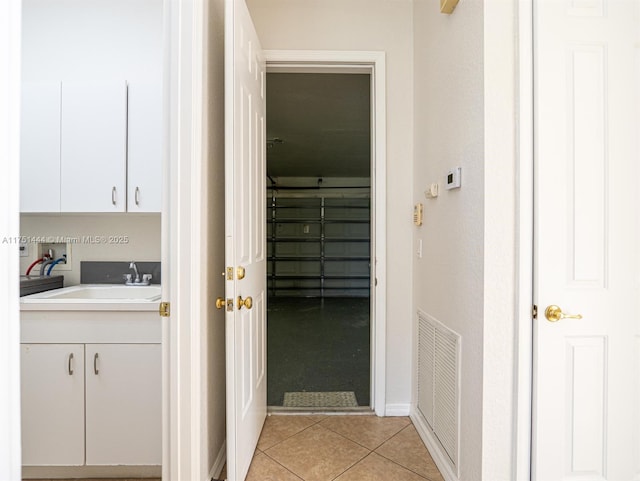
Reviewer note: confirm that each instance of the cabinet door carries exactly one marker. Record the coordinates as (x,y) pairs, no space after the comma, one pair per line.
(93,147)
(40,147)
(52,388)
(123,404)
(144,158)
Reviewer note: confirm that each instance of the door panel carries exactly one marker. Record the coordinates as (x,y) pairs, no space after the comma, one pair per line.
(245,185)
(586,240)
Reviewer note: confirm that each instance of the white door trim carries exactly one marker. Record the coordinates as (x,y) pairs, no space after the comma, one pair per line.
(524,243)
(182,241)
(375,61)
(10,38)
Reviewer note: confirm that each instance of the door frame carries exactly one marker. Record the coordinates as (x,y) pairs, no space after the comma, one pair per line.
(10,60)
(523,370)
(374,62)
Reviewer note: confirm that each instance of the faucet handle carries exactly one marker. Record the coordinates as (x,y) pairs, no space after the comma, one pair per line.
(127,278)
(146,277)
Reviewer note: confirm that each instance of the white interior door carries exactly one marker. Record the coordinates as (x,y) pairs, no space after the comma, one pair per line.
(585,406)
(245,184)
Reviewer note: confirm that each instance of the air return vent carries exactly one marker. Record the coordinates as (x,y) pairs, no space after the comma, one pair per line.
(438,382)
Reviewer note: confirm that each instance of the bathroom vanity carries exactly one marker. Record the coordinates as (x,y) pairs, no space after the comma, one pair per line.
(91,381)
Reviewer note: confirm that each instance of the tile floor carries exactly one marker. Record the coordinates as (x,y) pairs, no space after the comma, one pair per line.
(341,448)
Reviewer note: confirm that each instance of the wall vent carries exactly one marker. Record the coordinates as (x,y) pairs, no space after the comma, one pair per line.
(439,382)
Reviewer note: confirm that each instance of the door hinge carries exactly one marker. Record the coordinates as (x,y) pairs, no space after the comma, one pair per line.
(534,311)
(165,309)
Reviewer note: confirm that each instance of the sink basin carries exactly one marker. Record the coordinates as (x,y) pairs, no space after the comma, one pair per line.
(98,293)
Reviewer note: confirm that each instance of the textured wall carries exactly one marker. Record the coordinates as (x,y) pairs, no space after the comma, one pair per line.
(449,132)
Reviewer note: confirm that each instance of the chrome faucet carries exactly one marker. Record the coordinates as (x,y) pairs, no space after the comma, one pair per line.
(146,278)
(135,269)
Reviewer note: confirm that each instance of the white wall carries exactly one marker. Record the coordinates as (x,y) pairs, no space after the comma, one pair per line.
(378,25)
(465,116)
(142,232)
(449,132)
(89,39)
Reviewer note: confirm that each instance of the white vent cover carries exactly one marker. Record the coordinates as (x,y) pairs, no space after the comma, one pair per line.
(438,381)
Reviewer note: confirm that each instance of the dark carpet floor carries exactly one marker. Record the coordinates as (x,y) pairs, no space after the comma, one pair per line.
(318,345)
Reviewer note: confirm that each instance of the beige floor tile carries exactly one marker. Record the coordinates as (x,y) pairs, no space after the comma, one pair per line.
(377,468)
(317,454)
(369,431)
(277,428)
(406,448)
(264,468)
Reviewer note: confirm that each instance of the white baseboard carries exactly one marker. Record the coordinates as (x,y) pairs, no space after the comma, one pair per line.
(439,457)
(397,409)
(218,464)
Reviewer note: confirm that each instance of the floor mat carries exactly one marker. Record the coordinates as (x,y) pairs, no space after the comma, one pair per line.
(337,399)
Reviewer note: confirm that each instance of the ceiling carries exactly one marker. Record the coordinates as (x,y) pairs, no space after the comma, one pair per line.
(322,121)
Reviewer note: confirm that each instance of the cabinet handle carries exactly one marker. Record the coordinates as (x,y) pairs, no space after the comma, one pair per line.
(137,196)
(95,364)
(70,364)
(113,195)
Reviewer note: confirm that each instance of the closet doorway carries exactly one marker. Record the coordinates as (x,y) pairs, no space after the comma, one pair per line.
(319,238)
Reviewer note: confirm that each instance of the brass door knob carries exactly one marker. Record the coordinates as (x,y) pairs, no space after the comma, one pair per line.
(248,302)
(554,314)
(240,273)
(220,303)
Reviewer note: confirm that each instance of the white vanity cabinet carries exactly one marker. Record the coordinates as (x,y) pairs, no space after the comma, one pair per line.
(52,391)
(123,413)
(93,174)
(91,388)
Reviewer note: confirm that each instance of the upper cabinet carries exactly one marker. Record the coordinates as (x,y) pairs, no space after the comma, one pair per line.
(93,171)
(40,147)
(91,147)
(145,148)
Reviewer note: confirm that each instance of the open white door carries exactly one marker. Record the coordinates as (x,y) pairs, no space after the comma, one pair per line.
(245,197)
(585,403)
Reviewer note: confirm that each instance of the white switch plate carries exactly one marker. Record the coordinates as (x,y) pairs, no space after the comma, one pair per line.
(24,249)
(453,180)
(419,251)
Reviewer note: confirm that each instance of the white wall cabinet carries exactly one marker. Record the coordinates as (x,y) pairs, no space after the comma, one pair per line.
(52,392)
(91,147)
(144,159)
(91,404)
(93,172)
(40,147)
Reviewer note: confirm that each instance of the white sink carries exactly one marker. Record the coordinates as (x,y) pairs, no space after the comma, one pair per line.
(97,293)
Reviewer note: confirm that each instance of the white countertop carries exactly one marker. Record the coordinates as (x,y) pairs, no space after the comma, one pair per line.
(94,297)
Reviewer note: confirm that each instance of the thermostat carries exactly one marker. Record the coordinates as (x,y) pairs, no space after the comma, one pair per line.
(453,178)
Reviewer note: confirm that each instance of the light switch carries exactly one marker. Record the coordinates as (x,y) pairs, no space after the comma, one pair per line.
(419,250)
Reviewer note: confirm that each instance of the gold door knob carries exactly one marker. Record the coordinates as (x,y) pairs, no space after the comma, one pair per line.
(248,302)
(220,303)
(554,314)
(240,272)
